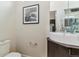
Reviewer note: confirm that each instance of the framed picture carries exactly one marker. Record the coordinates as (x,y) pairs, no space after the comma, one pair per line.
(31,14)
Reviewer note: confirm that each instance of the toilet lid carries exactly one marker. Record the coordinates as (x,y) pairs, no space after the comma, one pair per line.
(13,54)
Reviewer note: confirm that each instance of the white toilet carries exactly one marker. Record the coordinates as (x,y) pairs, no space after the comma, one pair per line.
(13,54)
(5,49)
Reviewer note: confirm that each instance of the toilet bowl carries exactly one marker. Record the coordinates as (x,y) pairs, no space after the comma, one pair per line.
(5,49)
(13,54)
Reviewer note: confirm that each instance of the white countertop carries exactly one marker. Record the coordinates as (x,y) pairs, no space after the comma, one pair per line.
(65,39)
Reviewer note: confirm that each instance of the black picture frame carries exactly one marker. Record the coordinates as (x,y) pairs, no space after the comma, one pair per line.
(31,14)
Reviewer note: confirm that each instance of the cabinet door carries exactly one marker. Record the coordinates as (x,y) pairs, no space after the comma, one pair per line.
(51,49)
(61,51)
(56,50)
(74,52)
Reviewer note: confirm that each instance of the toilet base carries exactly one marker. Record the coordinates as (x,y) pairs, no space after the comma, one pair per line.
(13,54)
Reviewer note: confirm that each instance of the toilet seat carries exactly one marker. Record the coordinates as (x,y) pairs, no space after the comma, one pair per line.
(13,54)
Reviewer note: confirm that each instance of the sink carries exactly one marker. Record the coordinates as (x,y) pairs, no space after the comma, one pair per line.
(66,39)
(56,35)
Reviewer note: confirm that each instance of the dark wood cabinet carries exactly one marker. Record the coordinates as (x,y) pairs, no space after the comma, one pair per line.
(56,50)
(74,52)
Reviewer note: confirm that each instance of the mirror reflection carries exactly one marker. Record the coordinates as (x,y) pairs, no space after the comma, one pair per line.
(64,16)
(71,20)
(52,21)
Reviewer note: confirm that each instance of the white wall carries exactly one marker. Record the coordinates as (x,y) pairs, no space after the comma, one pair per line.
(7,21)
(32,33)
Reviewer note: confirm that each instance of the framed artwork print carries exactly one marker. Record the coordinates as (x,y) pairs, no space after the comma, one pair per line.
(31,14)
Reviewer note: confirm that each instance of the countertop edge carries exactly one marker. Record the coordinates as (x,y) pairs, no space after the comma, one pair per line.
(63,44)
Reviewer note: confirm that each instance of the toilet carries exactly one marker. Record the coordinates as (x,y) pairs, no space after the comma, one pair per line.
(5,49)
(13,54)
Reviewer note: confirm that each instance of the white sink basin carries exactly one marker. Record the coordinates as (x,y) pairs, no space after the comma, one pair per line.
(66,39)
(56,35)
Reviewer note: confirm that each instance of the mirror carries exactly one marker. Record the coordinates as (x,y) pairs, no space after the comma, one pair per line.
(64,16)
(52,21)
(71,20)
(57,15)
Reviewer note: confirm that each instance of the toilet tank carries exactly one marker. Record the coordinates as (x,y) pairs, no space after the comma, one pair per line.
(4,47)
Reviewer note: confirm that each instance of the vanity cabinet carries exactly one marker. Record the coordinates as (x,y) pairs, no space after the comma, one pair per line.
(56,50)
